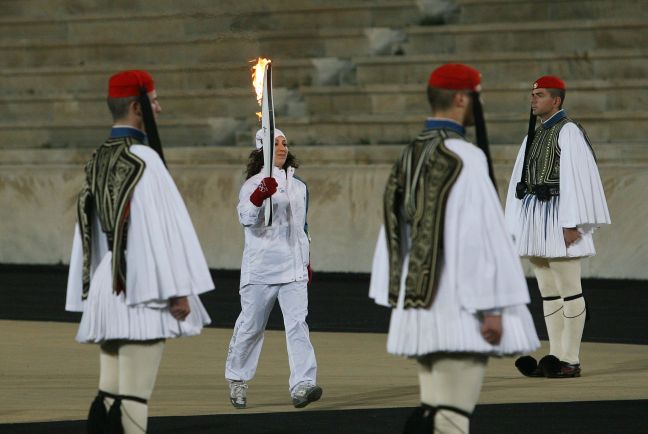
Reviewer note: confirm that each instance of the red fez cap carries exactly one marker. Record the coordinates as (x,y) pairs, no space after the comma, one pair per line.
(549,82)
(455,76)
(128,83)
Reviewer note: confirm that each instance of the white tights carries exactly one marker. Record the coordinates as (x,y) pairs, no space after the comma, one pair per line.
(130,368)
(451,380)
(559,280)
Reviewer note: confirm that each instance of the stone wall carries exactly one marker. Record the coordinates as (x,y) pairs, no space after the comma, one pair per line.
(38,189)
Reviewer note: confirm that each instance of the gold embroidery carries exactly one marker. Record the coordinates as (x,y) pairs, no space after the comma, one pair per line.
(416,195)
(111,176)
(543,164)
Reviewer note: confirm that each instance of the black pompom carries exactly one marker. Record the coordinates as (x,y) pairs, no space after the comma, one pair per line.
(527,365)
(550,365)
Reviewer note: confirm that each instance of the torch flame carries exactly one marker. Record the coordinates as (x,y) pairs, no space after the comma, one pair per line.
(258,72)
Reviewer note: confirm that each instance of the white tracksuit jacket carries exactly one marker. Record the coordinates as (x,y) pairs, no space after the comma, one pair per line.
(278,253)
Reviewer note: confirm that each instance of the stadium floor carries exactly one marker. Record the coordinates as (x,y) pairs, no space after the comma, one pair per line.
(47,380)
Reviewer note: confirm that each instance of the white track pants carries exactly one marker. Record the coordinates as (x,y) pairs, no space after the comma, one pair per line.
(245,347)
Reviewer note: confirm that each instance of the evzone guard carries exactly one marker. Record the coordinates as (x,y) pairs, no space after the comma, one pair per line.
(555,202)
(136,268)
(444,261)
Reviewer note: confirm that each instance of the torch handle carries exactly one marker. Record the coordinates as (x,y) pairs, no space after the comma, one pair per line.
(268,201)
(268,211)
(267,124)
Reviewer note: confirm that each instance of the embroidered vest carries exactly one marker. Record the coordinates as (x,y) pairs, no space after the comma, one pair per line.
(541,170)
(415,197)
(110,178)
(542,167)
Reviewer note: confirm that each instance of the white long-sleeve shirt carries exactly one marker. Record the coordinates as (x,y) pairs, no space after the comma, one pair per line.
(164,260)
(537,226)
(278,253)
(480,272)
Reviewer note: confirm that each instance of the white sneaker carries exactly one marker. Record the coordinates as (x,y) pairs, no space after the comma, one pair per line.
(306,393)
(238,393)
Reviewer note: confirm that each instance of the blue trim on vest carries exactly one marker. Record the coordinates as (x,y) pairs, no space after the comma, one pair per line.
(557,117)
(438,124)
(119,132)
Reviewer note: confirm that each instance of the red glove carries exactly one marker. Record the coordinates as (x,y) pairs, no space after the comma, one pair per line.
(310,273)
(267,188)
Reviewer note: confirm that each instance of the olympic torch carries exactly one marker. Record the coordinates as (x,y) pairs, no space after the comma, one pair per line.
(262,82)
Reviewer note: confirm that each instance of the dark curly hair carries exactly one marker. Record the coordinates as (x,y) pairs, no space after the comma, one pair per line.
(255,163)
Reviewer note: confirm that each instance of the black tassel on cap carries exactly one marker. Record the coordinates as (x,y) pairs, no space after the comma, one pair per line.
(521,188)
(481,135)
(149,124)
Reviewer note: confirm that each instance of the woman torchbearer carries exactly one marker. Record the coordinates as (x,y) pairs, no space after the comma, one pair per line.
(275,265)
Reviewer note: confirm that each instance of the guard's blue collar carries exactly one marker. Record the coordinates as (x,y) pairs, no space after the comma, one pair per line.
(436,124)
(557,117)
(119,132)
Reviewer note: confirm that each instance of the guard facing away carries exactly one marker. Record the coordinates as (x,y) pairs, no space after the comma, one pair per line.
(275,265)
(554,204)
(136,267)
(444,261)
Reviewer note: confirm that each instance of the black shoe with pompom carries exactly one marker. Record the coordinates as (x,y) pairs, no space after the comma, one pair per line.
(528,366)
